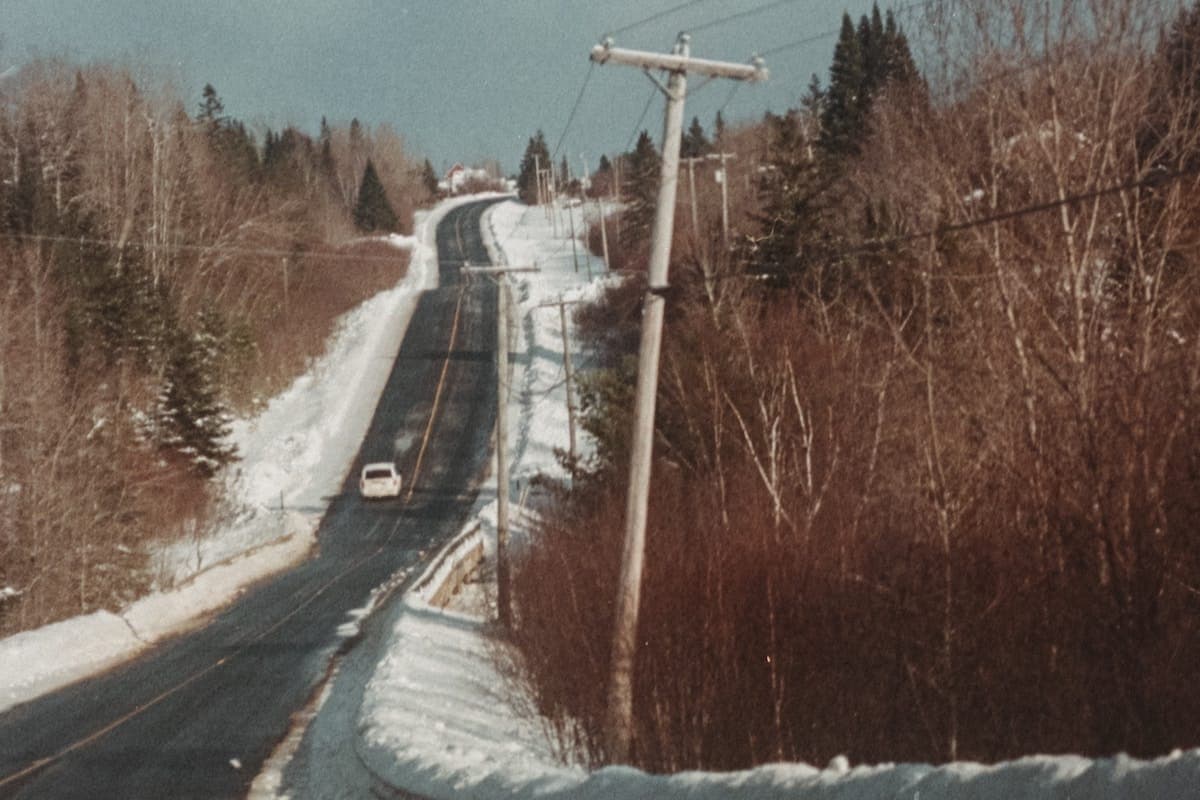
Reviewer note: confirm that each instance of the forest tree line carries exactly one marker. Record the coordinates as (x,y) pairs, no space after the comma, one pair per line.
(926,481)
(161,268)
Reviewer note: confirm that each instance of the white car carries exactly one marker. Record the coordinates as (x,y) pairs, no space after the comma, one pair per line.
(379,480)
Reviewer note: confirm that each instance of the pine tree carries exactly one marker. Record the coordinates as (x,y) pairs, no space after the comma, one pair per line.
(641,187)
(191,420)
(373,212)
(898,61)
(564,174)
(845,103)
(719,128)
(694,142)
(792,195)
(327,164)
(211,108)
(429,178)
(527,179)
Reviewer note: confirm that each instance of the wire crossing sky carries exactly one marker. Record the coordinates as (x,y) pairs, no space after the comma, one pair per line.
(461,80)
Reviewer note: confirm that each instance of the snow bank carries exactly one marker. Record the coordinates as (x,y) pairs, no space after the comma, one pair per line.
(294,456)
(437,721)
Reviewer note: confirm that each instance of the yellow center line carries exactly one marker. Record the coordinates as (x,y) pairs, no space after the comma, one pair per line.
(437,395)
(38,764)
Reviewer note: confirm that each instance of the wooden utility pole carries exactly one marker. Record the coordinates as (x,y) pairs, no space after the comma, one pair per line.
(503,588)
(537,174)
(571,217)
(723,156)
(619,721)
(617,190)
(691,165)
(570,372)
(603,223)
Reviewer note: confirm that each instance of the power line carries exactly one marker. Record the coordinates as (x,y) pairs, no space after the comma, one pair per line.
(831,32)
(637,126)
(655,17)
(816,37)
(1161,178)
(261,252)
(740,15)
(1157,179)
(574,109)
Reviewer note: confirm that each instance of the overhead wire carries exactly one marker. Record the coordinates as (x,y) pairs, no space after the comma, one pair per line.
(875,245)
(637,126)
(655,17)
(574,109)
(261,252)
(740,15)
(1157,179)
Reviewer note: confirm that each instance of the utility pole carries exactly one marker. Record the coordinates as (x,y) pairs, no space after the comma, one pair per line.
(571,217)
(691,165)
(617,190)
(503,588)
(723,156)
(619,721)
(570,373)
(537,174)
(600,213)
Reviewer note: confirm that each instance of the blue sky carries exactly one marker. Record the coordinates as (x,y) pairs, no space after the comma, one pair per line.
(461,80)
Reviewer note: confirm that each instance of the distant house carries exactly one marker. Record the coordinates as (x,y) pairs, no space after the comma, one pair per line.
(458,176)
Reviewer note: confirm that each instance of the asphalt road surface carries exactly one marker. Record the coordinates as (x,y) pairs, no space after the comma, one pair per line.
(197,716)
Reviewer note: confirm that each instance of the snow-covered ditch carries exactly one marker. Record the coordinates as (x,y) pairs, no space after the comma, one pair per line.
(294,454)
(437,719)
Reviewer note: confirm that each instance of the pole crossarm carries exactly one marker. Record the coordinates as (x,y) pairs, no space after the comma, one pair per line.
(754,71)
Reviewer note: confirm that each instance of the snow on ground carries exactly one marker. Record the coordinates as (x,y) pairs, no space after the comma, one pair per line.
(294,455)
(437,719)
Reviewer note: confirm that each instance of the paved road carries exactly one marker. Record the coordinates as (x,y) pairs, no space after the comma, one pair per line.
(196,717)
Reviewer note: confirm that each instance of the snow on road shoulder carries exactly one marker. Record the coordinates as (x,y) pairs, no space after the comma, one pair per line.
(436,720)
(294,455)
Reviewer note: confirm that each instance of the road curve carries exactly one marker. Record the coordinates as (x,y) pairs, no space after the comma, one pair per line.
(197,716)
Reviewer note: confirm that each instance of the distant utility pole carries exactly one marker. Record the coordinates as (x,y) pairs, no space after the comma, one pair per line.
(600,212)
(616,187)
(619,722)
(570,373)
(571,217)
(691,165)
(537,174)
(503,587)
(723,156)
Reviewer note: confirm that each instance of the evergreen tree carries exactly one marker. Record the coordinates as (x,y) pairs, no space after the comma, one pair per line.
(899,66)
(694,143)
(641,187)
(844,113)
(865,61)
(327,164)
(191,420)
(795,234)
(1175,97)
(719,128)
(228,138)
(564,174)
(212,110)
(873,46)
(429,178)
(605,166)
(373,212)
(527,180)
